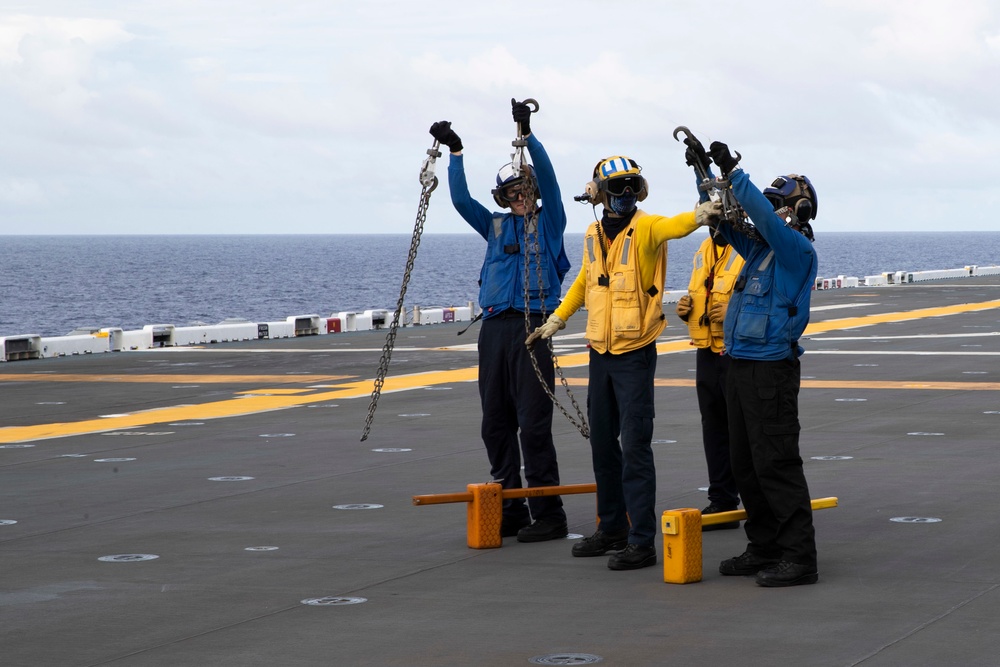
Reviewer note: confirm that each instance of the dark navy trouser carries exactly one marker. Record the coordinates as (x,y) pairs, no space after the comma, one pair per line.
(513,399)
(710,384)
(763,402)
(620,404)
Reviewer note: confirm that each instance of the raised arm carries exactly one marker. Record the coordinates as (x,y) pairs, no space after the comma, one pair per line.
(791,248)
(474,213)
(478,216)
(548,187)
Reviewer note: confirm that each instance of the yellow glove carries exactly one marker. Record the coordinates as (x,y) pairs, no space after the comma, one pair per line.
(707,212)
(547,330)
(717,313)
(684,307)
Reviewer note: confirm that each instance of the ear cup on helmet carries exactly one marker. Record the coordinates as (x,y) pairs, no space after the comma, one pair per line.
(803,210)
(596,194)
(498,199)
(644,191)
(812,196)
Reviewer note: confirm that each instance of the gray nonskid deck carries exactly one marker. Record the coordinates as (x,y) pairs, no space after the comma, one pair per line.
(888,434)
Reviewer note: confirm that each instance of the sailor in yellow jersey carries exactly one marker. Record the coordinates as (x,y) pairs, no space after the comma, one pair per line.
(621,284)
(716,266)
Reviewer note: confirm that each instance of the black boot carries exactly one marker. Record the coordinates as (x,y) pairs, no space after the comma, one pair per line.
(633,558)
(600,543)
(746,563)
(787,574)
(543,530)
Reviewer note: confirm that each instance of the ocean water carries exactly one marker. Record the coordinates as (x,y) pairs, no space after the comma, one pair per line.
(51,285)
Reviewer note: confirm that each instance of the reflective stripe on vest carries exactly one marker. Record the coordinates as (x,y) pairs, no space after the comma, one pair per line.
(625,249)
(767,261)
(498,224)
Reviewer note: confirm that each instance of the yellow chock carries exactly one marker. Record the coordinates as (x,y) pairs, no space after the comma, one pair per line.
(483,516)
(682,538)
(681,546)
(484,511)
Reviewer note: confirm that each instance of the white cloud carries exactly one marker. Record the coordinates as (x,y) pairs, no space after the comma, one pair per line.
(50,62)
(242,117)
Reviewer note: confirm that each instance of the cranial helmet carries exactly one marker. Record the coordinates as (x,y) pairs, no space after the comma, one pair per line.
(796,192)
(510,183)
(619,176)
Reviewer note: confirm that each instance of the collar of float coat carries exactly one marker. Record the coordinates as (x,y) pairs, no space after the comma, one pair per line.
(613,226)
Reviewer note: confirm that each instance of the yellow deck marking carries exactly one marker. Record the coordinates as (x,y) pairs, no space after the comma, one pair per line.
(248,404)
(251,404)
(842,384)
(882,318)
(171,379)
(276,392)
(877,384)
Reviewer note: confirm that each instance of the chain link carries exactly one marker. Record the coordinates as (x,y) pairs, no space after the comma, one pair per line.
(428,181)
(531,221)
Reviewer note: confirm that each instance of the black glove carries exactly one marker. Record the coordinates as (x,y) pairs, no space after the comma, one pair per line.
(522,114)
(722,157)
(695,155)
(442,132)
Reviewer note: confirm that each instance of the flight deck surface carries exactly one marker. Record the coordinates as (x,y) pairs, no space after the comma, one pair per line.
(215,506)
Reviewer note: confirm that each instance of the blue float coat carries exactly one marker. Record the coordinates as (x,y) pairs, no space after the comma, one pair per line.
(501,280)
(766,318)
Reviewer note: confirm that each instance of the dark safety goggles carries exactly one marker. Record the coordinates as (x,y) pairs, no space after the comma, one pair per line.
(513,192)
(623,184)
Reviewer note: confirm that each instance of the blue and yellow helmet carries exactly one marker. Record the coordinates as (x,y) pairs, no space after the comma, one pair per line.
(619,175)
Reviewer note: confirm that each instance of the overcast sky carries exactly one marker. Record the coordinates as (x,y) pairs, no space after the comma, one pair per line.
(260,116)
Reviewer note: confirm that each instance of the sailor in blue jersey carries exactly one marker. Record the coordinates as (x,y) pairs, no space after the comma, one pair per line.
(513,400)
(767,314)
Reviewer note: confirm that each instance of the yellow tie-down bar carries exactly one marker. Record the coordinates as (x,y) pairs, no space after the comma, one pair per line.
(682,539)
(484,510)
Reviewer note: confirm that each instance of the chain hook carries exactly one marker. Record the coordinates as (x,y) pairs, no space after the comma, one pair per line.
(719,190)
(427,177)
(520,143)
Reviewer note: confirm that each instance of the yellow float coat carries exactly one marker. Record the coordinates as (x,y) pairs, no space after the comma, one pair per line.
(727,264)
(622,287)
